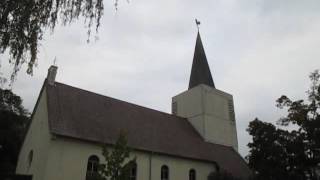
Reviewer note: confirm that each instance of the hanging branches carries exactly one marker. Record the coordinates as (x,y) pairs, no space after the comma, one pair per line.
(23,23)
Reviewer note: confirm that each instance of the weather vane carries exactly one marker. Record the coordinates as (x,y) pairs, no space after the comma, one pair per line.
(198,24)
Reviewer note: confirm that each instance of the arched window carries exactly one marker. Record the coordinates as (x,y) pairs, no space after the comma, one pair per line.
(133,172)
(30,158)
(92,167)
(164,172)
(192,174)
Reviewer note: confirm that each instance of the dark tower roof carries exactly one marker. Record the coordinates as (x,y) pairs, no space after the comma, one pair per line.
(200,72)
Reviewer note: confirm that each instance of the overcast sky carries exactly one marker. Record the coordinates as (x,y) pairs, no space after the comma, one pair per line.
(257,51)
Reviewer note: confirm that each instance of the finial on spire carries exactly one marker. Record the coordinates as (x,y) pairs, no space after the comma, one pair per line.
(55,61)
(197,23)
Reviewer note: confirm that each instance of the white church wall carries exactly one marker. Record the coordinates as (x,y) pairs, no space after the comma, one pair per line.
(216,102)
(211,112)
(198,123)
(68,160)
(37,140)
(189,105)
(179,168)
(219,117)
(221,127)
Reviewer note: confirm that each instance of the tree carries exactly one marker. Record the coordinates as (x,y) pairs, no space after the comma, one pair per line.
(277,153)
(116,166)
(13,122)
(23,23)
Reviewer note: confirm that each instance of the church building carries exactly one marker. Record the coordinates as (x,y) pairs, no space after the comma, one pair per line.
(69,125)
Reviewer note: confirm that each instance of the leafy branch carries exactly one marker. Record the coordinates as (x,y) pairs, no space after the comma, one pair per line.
(23,23)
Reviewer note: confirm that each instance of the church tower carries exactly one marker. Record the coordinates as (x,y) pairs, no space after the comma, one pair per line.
(209,110)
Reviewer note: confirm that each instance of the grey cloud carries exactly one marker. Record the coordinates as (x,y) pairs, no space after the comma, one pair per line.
(284,7)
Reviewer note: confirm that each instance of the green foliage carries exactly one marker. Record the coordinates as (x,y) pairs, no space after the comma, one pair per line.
(23,23)
(277,153)
(116,167)
(13,123)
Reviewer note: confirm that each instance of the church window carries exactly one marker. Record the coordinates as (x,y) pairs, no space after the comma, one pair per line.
(231,110)
(133,172)
(92,167)
(192,174)
(164,172)
(30,158)
(174,108)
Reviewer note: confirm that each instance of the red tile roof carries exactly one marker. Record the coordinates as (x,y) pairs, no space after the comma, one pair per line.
(84,115)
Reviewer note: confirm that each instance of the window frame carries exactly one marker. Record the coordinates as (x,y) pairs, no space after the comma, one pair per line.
(92,167)
(192,174)
(165,172)
(30,158)
(134,168)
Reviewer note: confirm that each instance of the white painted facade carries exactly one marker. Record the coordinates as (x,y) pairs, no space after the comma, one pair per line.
(58,158)
(37,141)
(210,111)
(71,159)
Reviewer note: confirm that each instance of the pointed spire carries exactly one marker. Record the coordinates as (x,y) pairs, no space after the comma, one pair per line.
(200,72)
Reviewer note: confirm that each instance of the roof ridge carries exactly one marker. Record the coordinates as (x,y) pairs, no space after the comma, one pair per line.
(122,101)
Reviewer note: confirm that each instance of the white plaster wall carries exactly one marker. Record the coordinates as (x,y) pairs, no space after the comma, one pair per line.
(224,132)
(220,123)
(38,140)
(68,160)
(198,122)
(208,110)
(216,104)
(179,168)
(190,105)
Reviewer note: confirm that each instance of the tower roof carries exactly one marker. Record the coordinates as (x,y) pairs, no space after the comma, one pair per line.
(200,72)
